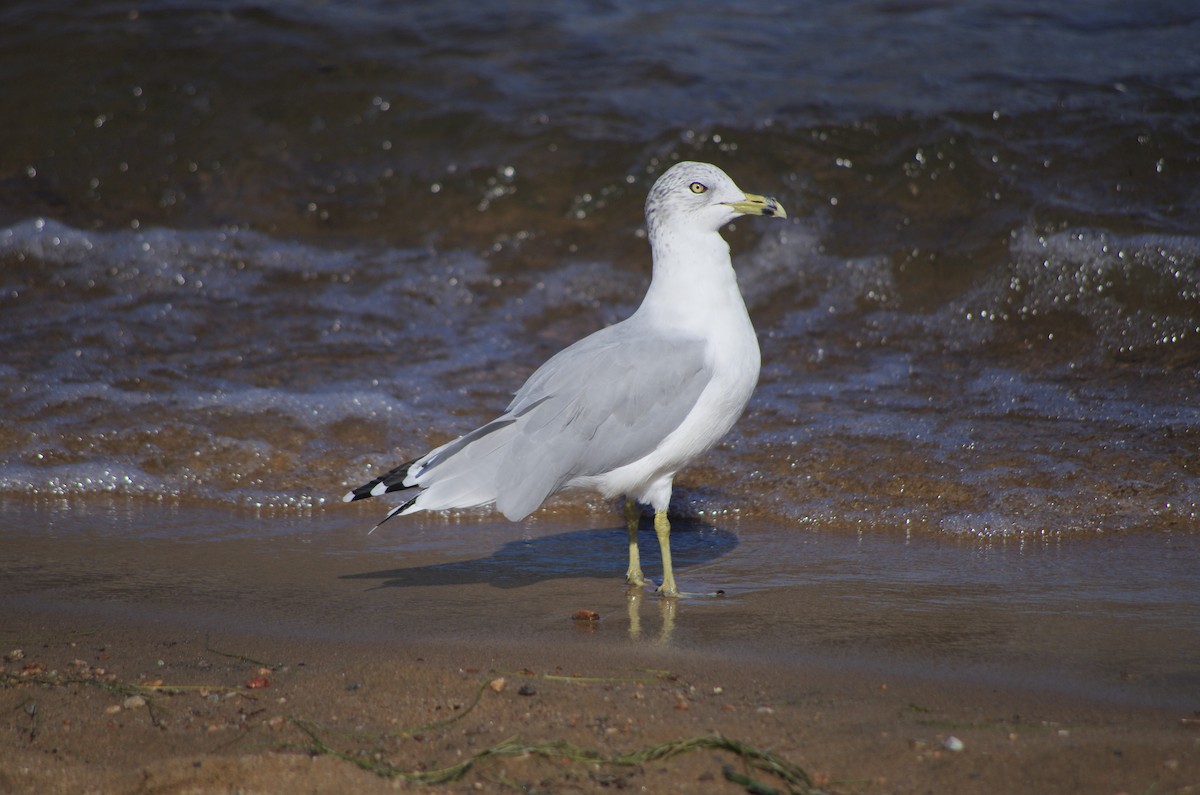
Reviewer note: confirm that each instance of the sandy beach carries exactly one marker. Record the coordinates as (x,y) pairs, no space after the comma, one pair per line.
(259,665)
(155,707)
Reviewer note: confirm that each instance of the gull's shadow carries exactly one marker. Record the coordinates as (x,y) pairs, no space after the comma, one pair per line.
(600,553)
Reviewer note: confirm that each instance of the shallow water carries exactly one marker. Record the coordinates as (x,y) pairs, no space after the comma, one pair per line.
(1045,614)
(249,256)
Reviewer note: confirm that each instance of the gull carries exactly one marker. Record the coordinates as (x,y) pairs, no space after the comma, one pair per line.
(621,411)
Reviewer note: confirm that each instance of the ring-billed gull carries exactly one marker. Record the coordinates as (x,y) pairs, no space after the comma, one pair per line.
(621,411)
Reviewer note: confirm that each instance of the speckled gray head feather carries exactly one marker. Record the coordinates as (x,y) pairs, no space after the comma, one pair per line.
(674,194)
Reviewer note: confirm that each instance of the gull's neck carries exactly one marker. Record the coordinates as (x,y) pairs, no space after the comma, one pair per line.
(693,285)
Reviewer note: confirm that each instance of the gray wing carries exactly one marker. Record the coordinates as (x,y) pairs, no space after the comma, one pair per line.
(606,401)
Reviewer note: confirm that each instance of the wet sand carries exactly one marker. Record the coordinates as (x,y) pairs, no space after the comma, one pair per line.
(215,659)
(179,715)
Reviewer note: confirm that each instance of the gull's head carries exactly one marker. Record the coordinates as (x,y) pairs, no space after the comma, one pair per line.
(703,197)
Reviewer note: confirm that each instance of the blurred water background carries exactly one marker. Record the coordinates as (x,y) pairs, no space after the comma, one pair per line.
(250,253)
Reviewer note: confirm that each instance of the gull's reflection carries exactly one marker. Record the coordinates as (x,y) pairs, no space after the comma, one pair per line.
(634,597)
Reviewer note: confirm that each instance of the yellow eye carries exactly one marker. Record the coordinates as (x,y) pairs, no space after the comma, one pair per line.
(698,187)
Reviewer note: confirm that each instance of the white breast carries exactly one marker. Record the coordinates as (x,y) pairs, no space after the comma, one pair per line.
(697,298)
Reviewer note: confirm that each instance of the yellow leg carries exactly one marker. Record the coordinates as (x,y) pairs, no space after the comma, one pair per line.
(662,528)
(633,575)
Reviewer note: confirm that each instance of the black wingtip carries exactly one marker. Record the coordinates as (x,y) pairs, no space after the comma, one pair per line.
(393,480)
(399,509)
(361,493)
